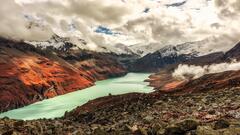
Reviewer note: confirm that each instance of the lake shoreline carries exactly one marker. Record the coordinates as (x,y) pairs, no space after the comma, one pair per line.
(57,106)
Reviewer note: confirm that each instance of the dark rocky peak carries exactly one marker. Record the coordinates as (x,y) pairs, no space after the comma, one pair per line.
(234,53)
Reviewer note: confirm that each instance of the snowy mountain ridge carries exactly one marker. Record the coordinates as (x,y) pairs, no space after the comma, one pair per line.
(75,43)
(60,43)
(197,48)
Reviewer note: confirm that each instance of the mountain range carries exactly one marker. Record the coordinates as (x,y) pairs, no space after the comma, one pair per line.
(34,71)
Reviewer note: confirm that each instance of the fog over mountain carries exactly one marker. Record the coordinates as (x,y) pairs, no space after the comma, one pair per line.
(123,22)
(193,72)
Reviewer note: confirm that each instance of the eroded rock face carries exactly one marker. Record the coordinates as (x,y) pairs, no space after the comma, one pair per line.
(28,74)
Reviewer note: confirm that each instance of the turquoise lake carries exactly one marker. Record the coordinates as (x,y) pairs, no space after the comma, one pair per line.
(56,107)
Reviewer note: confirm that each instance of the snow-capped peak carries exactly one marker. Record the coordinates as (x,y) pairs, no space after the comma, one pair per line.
(60,43)
(197,48)
(74,43)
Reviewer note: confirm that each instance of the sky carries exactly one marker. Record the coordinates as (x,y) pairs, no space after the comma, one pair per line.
(129,22)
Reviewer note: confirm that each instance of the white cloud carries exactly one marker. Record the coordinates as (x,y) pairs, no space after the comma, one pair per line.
(194,72)
(194,20)
(13,24)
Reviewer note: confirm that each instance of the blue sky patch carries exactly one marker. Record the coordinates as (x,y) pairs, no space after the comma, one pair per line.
(105,30)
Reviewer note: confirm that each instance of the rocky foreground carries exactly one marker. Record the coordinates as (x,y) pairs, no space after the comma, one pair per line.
(206,113)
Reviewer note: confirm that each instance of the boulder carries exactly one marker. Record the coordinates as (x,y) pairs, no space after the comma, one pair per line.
(220,124)
(188,125)
(174,130)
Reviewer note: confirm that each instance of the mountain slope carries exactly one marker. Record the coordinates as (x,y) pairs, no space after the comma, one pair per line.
(29,74)
(234,53)
(152,62)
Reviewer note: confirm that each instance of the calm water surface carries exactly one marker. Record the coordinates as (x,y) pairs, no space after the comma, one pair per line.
(56,107)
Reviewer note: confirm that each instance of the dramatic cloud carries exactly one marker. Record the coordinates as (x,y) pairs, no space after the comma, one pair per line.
(228,8)
(136,21)
(13,24)
(92,11)
(193,72)
(192,20)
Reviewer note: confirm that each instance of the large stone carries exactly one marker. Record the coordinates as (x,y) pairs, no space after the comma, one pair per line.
(11,132)
(132,129)
(174,130)
(141,131)
(18,123)
(99,131)
(148,119)
(188,125)
(220,124)
(78,132)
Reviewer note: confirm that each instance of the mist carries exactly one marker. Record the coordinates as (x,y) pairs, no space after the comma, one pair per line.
(187,72)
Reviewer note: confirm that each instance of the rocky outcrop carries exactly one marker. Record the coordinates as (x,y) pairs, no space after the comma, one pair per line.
(28,74)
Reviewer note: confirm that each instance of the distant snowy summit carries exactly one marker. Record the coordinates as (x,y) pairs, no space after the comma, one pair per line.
(197,48)
(75,43)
